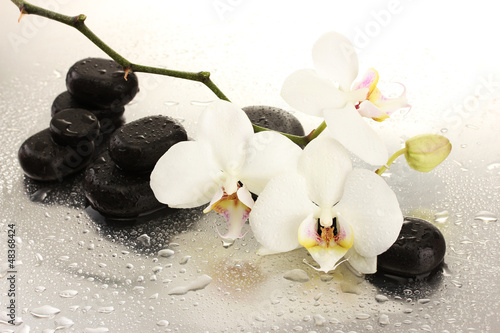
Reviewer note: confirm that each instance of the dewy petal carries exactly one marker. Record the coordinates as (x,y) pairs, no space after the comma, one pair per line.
(324,164)
(227,129)
(388,105)
(185,176)
(268,155)
(278,212)
(372,210)
(370,80)
(306,91)
(369,110)
(236,214)
(350,129)
(245,197)
(325,255)
(365,265)
(334,55)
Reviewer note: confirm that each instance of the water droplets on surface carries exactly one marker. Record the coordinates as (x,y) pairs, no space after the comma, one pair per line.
(45,311)
(63,323)
(486,216)
(163,323)
(383,320)
(96,330)
(296,275)
(106,309)
(200,283)
(144,240)
(68,293)
(441,217)
(166,253)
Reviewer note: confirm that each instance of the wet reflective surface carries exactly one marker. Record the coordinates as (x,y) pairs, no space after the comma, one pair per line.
(77,272)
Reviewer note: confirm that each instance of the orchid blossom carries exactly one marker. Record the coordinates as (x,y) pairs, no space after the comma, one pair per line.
(330,209)
(226,162)
(329,92)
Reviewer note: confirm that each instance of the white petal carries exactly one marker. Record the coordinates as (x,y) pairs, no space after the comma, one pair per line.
(268,155)
(325,165)
(245,197)
(185,176)
(327,258)
(335,56)
(372,210)
(364,265)
(227,129)
(278,212)
(306,91)
(347,126)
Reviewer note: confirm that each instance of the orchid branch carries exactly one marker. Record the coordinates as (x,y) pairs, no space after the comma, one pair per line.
(78,22)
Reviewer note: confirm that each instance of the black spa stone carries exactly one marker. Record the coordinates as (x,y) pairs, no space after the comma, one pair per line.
(138,145)
(418,251)
(65,101)
(43,159)
(117,193)
(72,126)
(274,118)
(100,83)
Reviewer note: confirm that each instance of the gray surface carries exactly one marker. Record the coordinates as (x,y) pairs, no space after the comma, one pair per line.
(102,275)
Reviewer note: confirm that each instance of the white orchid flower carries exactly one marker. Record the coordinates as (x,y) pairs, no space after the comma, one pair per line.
(226,162)
(330,209)
(329,92)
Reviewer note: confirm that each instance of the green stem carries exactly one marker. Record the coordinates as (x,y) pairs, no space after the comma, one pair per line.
(78,22)
(300,140)
(390,161)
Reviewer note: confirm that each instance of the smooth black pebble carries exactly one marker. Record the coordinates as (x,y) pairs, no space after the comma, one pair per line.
(65,101)
(418,251)
(43,159)
(138,145)
(117,193)
(100,83)
(72,126)
(275,119)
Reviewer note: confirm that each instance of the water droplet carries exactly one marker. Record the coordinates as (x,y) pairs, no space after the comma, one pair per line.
(200,103)
(96,330)
(456,283)
(423,301)
(198,284)
(40,289)
(145,240)
(444,130)
(381,298)
(493,166)
(362,316)
(106,309)
(171,103)
(63,323)
(166,253)
(39,259)
(486,216)
(163,323)
(68,293)
(383,320)
(296,275)
(185,260)
(441,217)
(45,311)
(319,320)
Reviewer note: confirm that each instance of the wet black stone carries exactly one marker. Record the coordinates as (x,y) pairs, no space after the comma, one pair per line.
(72,126)
(117,193)
(275,119)
(138,145)
(66,101)
(100,83)
(43,159)
(418,251)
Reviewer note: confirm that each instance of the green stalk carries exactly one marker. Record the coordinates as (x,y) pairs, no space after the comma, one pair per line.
(390,161)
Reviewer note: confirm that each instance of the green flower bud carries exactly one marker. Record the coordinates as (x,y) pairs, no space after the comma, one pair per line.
(426,151)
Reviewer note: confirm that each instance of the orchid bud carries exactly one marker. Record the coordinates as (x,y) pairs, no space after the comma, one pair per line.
(426,151)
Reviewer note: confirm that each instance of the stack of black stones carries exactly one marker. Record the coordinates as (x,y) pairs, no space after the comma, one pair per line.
(87,132)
